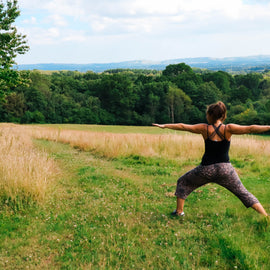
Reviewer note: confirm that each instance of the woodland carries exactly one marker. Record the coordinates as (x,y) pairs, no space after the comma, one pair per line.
(135,97)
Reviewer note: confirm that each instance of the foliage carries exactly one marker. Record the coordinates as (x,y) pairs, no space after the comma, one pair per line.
(178,103)
(12,43)
(134,97)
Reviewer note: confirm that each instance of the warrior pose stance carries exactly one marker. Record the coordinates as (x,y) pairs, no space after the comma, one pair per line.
(215,166)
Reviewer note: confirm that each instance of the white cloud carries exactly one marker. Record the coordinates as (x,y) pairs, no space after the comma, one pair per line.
(99,24)
(147,26)
(82,9)
(32,20)
(37,36)
(56,20)
(130,14)
(66,7)
(74,36)
(155,7)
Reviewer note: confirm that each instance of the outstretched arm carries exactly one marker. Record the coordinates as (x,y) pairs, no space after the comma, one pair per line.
(238,129)
(198,128)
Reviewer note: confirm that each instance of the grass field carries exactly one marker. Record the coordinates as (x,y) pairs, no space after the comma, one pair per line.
(106,200)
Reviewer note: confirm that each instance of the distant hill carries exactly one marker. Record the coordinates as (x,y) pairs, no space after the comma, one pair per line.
(230,64)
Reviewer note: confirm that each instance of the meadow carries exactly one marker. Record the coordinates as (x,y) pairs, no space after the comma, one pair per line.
(100,197)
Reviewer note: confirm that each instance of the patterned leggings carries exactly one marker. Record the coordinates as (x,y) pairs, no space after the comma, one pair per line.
(220,173)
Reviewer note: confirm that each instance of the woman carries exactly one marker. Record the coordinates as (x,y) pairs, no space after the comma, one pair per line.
(215,166)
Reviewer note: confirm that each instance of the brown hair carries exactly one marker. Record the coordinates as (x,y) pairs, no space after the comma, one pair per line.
(216,111)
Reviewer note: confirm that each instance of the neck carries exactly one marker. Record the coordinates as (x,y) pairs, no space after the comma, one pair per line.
(218,123)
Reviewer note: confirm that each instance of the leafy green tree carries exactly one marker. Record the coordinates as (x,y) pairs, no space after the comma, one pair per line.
(35,99)
(65,108)
(195,115)
(117,96)
(176,69)
(223,80)
(251,81)
(11,44)
(237,109)
(265,88)
(267,106)
(38,117)
(15,104)
(33,117)
(27,118)
(41,82)
(136,97)
(91,112)
(240,94)
(248,117)
(179,103)
(181,75)
(152,105)
(207,93)
(14,107)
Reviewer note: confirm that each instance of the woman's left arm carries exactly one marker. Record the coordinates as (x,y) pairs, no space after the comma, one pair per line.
(239,129)
(197,128)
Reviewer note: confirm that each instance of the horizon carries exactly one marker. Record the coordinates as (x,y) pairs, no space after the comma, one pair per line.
(145,60)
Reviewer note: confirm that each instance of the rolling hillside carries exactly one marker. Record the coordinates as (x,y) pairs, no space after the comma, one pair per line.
(229,64)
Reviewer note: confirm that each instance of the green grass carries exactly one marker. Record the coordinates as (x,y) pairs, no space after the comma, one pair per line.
(115,214)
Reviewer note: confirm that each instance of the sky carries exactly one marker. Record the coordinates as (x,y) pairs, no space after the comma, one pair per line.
(103,31)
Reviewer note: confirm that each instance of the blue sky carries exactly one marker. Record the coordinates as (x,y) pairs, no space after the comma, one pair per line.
(102,31)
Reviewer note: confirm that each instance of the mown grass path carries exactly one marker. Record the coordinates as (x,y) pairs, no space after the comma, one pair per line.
(115,214)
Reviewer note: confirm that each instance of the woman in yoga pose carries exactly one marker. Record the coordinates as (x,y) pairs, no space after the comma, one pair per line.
(215,166)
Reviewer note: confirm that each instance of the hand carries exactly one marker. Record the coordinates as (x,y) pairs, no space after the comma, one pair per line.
(158,125)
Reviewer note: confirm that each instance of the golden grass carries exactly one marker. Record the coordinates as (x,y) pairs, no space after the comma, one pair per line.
(25,173)
(250,145)
(182,145)
(114,145)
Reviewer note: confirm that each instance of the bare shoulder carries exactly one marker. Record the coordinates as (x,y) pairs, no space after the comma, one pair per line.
(231,127)
(237,129)
(197,128)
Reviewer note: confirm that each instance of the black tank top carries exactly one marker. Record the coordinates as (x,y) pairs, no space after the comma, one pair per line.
(216,151)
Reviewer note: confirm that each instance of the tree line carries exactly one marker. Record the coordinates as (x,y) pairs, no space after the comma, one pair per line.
(136,97)
(126,97)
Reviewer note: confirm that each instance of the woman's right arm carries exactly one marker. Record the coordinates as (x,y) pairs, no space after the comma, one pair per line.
(238,129)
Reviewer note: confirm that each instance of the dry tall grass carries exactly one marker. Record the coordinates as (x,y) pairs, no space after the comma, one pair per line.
(179,145)
(25,173)
(115,145)
(250,145)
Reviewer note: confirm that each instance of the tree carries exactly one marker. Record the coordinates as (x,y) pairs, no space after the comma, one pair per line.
(90,112)
(241,94)
(181,75)
(223,80)
(15,104)
(11,44)
(177,69)
(152,103)
(178,103)
(207,93)
(248,117)
(251,81)
(117,96)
